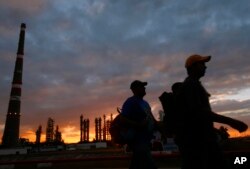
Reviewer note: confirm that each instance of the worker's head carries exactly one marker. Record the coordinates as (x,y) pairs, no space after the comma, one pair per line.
(138,88)
(195,65)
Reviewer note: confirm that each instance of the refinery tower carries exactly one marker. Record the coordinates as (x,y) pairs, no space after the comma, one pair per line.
(12,124)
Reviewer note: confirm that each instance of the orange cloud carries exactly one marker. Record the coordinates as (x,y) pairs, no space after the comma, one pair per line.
(235,133)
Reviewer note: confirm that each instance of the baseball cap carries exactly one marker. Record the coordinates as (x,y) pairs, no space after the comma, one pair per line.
(137,83)
(196,58)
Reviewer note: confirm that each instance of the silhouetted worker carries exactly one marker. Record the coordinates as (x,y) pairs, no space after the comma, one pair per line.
(196,136)
(136,112)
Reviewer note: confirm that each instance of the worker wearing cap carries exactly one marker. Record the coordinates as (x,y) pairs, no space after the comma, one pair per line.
(196,136)
(136,113)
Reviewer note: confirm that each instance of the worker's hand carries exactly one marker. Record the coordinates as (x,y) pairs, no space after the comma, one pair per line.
(239,125)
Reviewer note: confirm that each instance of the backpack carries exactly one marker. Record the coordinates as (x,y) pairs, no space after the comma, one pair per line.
(170,104)
(120,133)
(167,102)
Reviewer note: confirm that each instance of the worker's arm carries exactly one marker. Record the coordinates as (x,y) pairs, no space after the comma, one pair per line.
(236,124)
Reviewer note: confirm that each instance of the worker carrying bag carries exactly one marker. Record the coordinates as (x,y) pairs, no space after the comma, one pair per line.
(120,133)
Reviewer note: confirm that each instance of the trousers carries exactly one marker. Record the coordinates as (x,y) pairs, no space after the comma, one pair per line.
(142,157)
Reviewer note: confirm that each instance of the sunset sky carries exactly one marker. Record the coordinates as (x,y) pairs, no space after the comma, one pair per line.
(80,56)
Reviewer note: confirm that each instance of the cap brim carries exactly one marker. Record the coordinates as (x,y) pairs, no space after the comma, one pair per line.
(206,59)
(144,83)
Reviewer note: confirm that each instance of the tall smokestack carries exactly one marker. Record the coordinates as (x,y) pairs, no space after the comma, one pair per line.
(12,124)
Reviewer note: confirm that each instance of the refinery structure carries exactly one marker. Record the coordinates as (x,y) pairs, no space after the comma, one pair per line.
(53,135)
(102,131)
